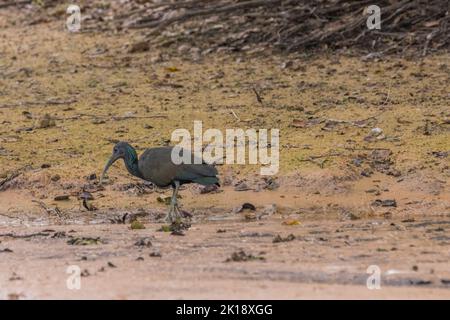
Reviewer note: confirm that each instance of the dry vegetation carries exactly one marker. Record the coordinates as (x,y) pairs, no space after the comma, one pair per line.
(66,98)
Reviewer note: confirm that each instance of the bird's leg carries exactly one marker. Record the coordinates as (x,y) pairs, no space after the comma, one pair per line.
(169,217)
(173,204)
(176,209)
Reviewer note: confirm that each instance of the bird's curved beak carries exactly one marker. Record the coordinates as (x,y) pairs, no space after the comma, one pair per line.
(111,160)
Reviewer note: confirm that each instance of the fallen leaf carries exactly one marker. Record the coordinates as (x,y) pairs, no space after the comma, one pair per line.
(172,69)
(291,222)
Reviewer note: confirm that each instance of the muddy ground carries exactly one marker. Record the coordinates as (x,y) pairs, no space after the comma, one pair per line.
(343,200)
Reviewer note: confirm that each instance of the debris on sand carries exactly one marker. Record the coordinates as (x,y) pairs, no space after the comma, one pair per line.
(59,234)
(50,211)
(84,241)
(245,234)
(270,183)
(185,214)
(4,183)
(177,233)
(121,219)
(245,206)
(268,210)
(155,254)
(249,211)
(249,206)
(15,277)
(137,189)
(91,177)
(86,196)
(375,134)
(381,161)
(241,186)
(384,203)
(250,216)
(241,255)
(85,273)
(440,154)
(279,238)
(144,242)
(212,188)
(89,206)
(6,250)
(176,228)
(129,217)
(46,122)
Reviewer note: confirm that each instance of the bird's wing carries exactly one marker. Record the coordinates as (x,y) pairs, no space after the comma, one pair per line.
(156,166)
(193,171)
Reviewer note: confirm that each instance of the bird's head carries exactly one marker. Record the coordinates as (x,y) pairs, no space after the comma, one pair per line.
(120,151)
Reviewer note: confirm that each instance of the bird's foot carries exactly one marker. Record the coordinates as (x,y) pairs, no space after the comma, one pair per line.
(175,215)
(168,218)
(177,212)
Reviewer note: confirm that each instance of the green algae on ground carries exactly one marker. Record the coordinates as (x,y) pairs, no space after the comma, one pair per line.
(324,106)
(137,225)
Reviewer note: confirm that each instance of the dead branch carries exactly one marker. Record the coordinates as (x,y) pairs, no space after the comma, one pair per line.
(50,211)
(282,25)
(24,236)
(8,179)
(14,3)
(209,11)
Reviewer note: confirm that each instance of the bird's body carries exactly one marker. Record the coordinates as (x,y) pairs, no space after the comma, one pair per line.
(156,165)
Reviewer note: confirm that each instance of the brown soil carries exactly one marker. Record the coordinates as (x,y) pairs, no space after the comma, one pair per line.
(327,259)
(331,175)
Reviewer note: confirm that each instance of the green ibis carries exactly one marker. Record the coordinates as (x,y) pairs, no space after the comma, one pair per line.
(156,165)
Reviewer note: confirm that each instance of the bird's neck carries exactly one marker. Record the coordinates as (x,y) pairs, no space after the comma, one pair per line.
(131,162)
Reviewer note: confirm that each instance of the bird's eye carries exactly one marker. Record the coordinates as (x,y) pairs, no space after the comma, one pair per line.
(115,150)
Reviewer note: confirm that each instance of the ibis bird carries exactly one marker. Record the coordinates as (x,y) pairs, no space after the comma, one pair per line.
(156,165)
